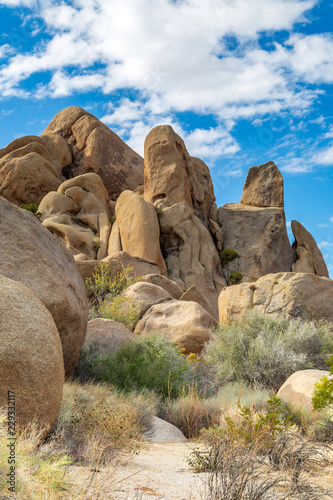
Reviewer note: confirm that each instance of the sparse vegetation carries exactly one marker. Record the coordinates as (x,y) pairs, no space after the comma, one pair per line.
(235,277)
(111,218)
(264,350)
(227,255)
(30,207)
(96,246)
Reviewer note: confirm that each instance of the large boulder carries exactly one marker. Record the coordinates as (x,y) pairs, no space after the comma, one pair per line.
(33,256)
(181,189)
(309,258)
(140,266)
(260,238)
(80,214)
(32,166)
(303,295)
(186,323)
(170,286)
(145,295)
(95,148)
(298,389)
(104,336)
(164,432)
(263,186)
(31,362)
(193,294)
(139,230)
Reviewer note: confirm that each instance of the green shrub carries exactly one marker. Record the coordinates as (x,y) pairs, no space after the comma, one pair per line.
(96,246)
(264,350)
(31,207)
(235,277)
(111,218)
(323,393)
(227,255)
(150,363)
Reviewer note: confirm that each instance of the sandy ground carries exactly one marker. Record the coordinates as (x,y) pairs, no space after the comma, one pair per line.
(159,471)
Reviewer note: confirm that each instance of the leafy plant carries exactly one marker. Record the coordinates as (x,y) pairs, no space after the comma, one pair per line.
(264,350)
(227,255)
(323,393)
(235,277)
(96,246)
(121,309)
(31,207)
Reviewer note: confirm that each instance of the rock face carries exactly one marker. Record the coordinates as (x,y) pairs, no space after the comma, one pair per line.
(140,265)
(263,186)
(299,387)
(145,295)
(259,236)
(186,323)
(105,336)
(139,231)
(170,286)
(95,148)
(309,258)
(289,294)
(80,214)
(193,294)
(32,166)
(181,189)
(33,256)
(31,362)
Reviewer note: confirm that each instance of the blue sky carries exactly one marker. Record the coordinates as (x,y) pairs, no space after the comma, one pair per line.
(243,82)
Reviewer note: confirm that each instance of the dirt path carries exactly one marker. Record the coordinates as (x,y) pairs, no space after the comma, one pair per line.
(159,471)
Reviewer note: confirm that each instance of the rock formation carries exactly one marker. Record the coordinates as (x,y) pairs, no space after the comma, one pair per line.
(308,257)
(95,148)
(31,362)
(104,336)
(33,256)
(145,295)
(256,227)
(292,295)
(32,166)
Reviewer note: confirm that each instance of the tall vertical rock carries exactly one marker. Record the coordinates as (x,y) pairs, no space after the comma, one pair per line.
(309,258)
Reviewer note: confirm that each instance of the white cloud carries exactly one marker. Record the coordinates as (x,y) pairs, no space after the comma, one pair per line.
(325,157)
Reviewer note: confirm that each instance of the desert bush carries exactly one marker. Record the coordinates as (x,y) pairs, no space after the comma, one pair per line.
(151,363)
(265,350)
(96,421)
(40,469)
(227,255)
(31,207)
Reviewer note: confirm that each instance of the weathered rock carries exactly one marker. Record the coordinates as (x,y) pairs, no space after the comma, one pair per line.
(139,229)
(31,166)
(31,362)
(259,236)
(263,186)
(307,296)
(145,295)
(170,286)
(80,215)
(164,432)
(33,256)
(186,323)
(299,387)
(104,336)
(140,266)
(172,176)
(309,257)
(193,294)
(95,148)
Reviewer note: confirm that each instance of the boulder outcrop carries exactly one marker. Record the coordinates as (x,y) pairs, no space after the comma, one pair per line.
(263,186)
(309,258)
(95,148)
(31,361)
(33,256)
(303,295)
(104,336)
(186,323)
(32,166)
(146,295)
(168,285)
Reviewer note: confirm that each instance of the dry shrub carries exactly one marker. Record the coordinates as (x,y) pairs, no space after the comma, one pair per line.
(96,421)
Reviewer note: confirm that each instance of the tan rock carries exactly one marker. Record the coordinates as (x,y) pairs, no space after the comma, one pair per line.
(170,286)
(303,295)
(139,229)
(31,362)
(33,256)
(298,389)
(140,266)
(145,295)
(80,215)
(97,149)
(263,186)
(186,323)
(164,432)
(259,236)
(104,336)
(31,166)
(193,294)
(309,257)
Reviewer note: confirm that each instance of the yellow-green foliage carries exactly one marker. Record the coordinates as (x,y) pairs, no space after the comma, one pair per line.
(40,469)
(227,255)
(121,309)
(235,277)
